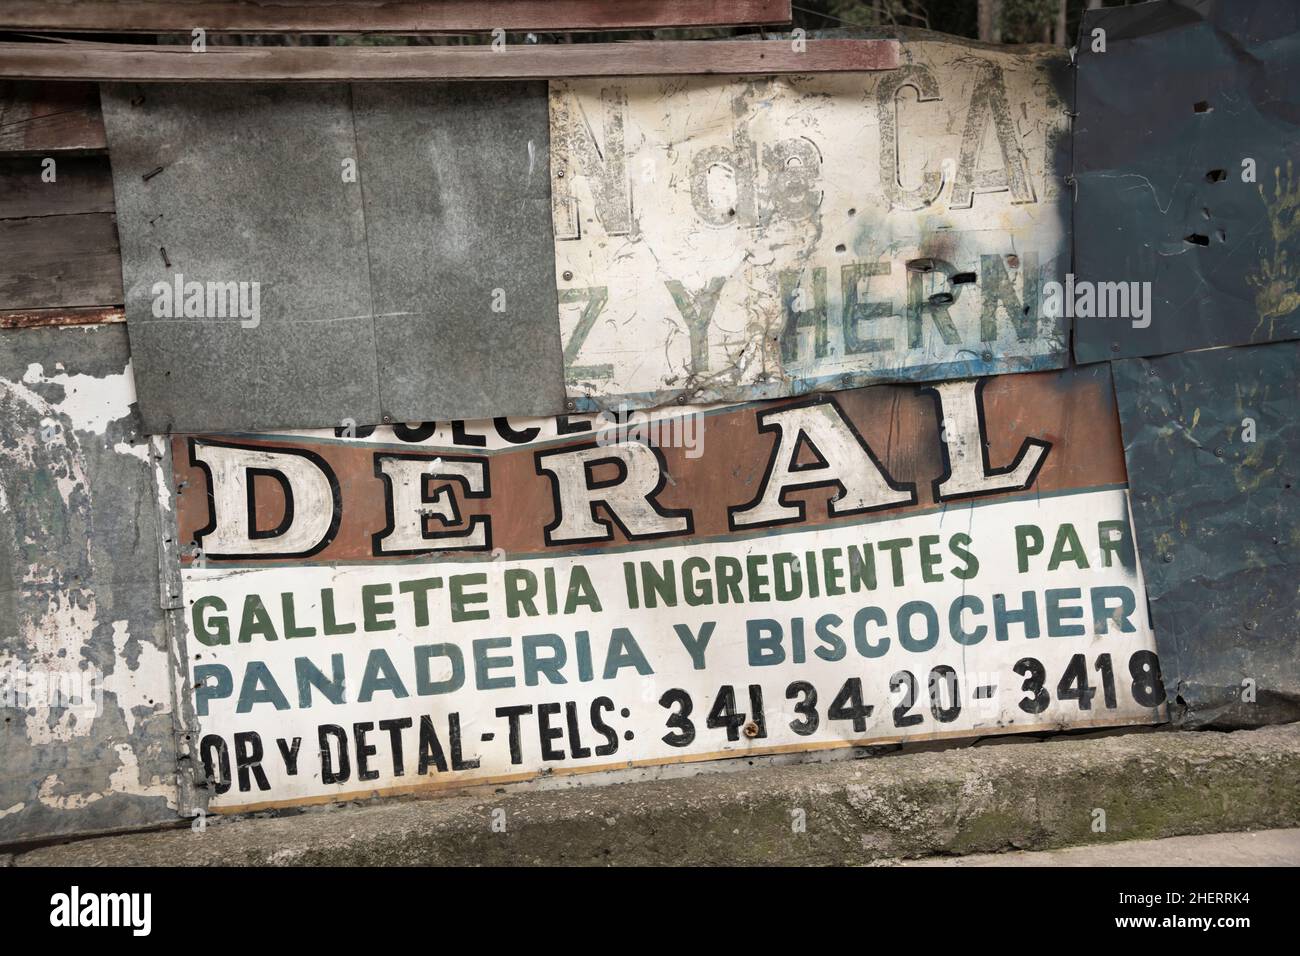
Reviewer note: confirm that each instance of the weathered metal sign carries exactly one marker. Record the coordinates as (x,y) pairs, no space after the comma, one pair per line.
(1188,186)
(1210,444)
(427,607)
(724,239)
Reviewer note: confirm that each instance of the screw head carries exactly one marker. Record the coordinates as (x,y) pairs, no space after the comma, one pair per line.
(568,276)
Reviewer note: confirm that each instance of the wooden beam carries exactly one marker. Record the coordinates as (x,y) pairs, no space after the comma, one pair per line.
(382,16)
(44,119)
(130,62)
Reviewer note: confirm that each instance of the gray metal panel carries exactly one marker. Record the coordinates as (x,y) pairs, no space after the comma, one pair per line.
(376,290)
(1218,526)
(244,184)
(79,592)
(456,181)
(1221,256)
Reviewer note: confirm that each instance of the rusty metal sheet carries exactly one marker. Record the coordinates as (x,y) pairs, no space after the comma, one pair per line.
(310,256)
(1211,439)
(724,239)
(1187,158)
(431,606)
(87,743)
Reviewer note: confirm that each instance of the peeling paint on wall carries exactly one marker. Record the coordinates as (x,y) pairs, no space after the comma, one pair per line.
(85,687)
(724,239)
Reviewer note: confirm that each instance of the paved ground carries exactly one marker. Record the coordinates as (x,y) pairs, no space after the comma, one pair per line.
(1257,848)
(1024,795)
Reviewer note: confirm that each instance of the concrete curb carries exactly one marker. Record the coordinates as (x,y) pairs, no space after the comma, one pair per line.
(1023,795)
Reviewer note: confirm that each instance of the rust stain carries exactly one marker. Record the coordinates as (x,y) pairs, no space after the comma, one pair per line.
(40,318)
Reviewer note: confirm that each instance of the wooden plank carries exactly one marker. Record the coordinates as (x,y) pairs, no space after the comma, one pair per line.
(412,16)
(112,62)
(43,318)
(40,118)
(54,262)
(81,184)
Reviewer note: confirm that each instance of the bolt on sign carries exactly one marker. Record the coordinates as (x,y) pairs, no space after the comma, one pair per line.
(425,607)
(740,238)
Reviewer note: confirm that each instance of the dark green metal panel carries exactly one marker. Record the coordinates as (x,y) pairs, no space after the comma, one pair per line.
(1212,444)
(1185,93)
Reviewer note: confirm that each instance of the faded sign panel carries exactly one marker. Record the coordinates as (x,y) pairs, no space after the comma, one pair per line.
(1211,442)
(736,238)
(426,607)
(1186,233)
(88,738)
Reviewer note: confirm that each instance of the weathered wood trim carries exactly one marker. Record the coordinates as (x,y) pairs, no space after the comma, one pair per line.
(79,184)
(402,16)
(48,118)
(54,262)
(111,62)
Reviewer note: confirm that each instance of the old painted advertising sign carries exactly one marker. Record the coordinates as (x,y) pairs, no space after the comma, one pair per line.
(724,239)
(427,606)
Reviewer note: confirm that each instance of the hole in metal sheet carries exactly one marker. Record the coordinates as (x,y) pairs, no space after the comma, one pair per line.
(1197,239)
(941,298)
(961,278)
(1202,107)
(1216,175)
